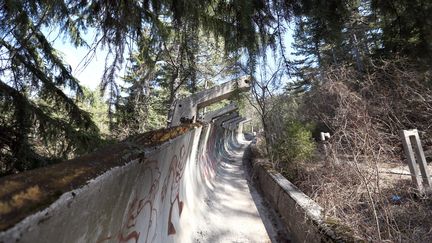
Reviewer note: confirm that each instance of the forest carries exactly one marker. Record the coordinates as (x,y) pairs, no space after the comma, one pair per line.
(358,69)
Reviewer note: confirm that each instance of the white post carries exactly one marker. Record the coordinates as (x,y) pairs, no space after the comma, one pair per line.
(324,136)
(416,159)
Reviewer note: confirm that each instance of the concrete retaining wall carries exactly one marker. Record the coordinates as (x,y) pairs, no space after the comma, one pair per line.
(302,216)
(131,192)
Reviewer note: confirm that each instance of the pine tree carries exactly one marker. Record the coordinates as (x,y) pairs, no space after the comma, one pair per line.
(162,72)
(38,94)
(32,83)
(406,28)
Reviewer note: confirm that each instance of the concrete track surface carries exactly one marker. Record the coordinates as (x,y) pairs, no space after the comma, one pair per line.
(185,183)
(194,187)
(235,211)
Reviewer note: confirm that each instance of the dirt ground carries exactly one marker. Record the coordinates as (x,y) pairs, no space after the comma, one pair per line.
(367,201)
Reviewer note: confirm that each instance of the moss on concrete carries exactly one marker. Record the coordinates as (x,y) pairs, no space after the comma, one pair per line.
(338,232)
(26,193)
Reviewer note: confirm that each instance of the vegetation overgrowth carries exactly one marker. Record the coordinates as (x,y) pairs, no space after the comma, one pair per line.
(359,69)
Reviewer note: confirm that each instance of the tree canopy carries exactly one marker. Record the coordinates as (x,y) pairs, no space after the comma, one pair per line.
(165,41)
(38,93)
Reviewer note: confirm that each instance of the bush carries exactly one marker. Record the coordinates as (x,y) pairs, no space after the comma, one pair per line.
(364,113)
(294,147)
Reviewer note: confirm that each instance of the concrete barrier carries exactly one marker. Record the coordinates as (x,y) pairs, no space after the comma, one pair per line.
(146,189)
(302,216)
(186,109)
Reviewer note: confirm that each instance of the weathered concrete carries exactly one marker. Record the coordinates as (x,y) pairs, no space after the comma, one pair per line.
(150,188)
(25,193)
(231,212)
(146,199)
(226,122)
(241,125)
(324,136)
(303,217)
(209,116)
(187,108)
(234,125)
(416,160)
(228,117)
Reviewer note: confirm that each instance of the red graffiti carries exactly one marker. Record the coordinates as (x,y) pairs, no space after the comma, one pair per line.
(208,157)
(173,180)
(128,232)
(143,208)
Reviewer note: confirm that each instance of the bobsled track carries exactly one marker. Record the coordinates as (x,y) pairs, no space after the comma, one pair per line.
(182,184)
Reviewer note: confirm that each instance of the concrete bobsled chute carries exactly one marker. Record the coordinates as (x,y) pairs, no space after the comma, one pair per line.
(186,109)
(209,116)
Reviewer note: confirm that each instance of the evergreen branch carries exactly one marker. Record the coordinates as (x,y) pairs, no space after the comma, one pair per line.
(81,117)
(45,121)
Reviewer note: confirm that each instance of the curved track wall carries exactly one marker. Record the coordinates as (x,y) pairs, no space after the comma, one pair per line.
(152,197)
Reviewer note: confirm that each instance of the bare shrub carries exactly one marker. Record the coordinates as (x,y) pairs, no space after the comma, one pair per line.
(365,113)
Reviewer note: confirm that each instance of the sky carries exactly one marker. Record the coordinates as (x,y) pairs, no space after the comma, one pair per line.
(271,66)
(90,76)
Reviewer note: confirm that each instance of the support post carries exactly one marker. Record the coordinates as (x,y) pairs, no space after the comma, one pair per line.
(228,123)
(241,125)
(325,136)
(186,109)
(222,119)
(209,116)
(235,124)
(416,159)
